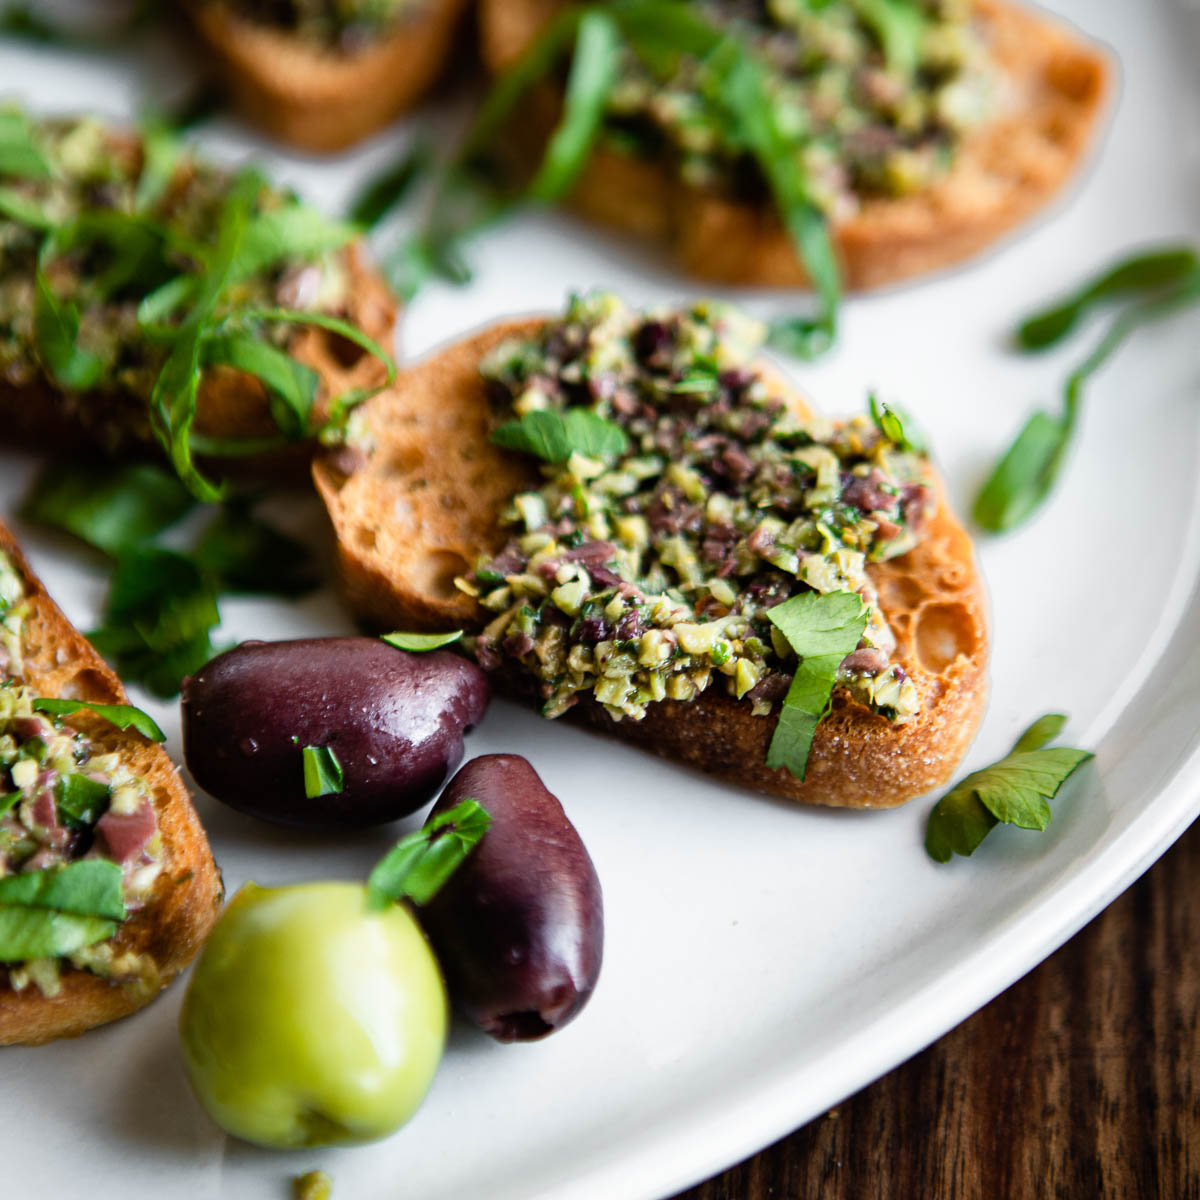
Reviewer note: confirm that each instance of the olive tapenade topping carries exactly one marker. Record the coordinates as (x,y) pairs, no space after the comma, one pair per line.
(647,574)
(347,25)
(876,95)
(64,801)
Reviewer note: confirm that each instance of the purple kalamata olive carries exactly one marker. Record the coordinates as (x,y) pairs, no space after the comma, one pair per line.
(394,722)
(519,927)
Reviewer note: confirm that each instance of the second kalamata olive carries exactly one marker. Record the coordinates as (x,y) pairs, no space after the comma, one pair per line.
(394,722)
(519,927)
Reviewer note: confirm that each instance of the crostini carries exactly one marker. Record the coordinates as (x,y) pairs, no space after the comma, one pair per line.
(82,797)
(629,581)
(148,296)
(923,130)
(321,75)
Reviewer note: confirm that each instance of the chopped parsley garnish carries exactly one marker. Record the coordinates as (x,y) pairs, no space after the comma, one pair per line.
(821,630)
(323,775)
(554,436)
(1014,791)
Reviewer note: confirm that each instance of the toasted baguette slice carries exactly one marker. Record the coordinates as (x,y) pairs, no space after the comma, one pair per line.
(170,929)
(422,506)
(231,404)
(320,99)
(1005,172)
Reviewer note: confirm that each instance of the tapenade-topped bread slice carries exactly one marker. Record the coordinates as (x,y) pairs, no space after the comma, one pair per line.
(630,586)
(78,792)
(923,131)
(323,75)
(145,298)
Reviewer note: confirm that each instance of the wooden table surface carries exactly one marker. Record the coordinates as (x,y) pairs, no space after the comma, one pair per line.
(1081,1081)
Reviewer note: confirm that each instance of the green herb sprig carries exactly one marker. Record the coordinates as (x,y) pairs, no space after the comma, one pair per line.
(554,436)
(1014,791)
(821,630)
(1166,282)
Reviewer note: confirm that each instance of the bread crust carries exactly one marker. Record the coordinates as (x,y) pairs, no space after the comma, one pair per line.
(230,404)
(420,507)
(1055,95)
(325,100)
(188,894)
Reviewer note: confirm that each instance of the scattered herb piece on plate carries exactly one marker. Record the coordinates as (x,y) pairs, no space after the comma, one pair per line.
(323,775)
(1014,791)
(420,643)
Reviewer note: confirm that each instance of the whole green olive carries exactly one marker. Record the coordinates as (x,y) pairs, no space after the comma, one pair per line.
(310,1020)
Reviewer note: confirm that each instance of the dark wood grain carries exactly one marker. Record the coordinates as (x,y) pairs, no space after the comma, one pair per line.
(1082,1080)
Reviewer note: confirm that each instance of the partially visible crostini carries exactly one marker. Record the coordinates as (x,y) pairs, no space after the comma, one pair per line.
(322,76)
(143,820)
(429,512)
(106,227)
(1048,88)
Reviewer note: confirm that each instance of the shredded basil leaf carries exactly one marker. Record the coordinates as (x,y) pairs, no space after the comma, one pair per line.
(418,865)
(593,75)
(28,933)
(123,716)
(20,155)
(1142,274)
(1014,791)
(896,425)
(1028,470)
(821,630)
(421,643)
(323,775)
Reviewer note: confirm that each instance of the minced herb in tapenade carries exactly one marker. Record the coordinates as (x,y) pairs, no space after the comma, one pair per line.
(875,93)
(347,25)
(648,576)
(63,800)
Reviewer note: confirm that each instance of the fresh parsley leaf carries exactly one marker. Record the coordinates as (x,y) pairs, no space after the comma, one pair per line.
(82,801)
(554,436)
(418,865)
(109,506)
(323,775)
(1143,273)
(421,643)
(821,630)
(593,74)
(1014,791)
(87,888)
(389,189)
(123,716)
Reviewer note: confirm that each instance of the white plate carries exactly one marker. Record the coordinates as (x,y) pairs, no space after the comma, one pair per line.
(762,962)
